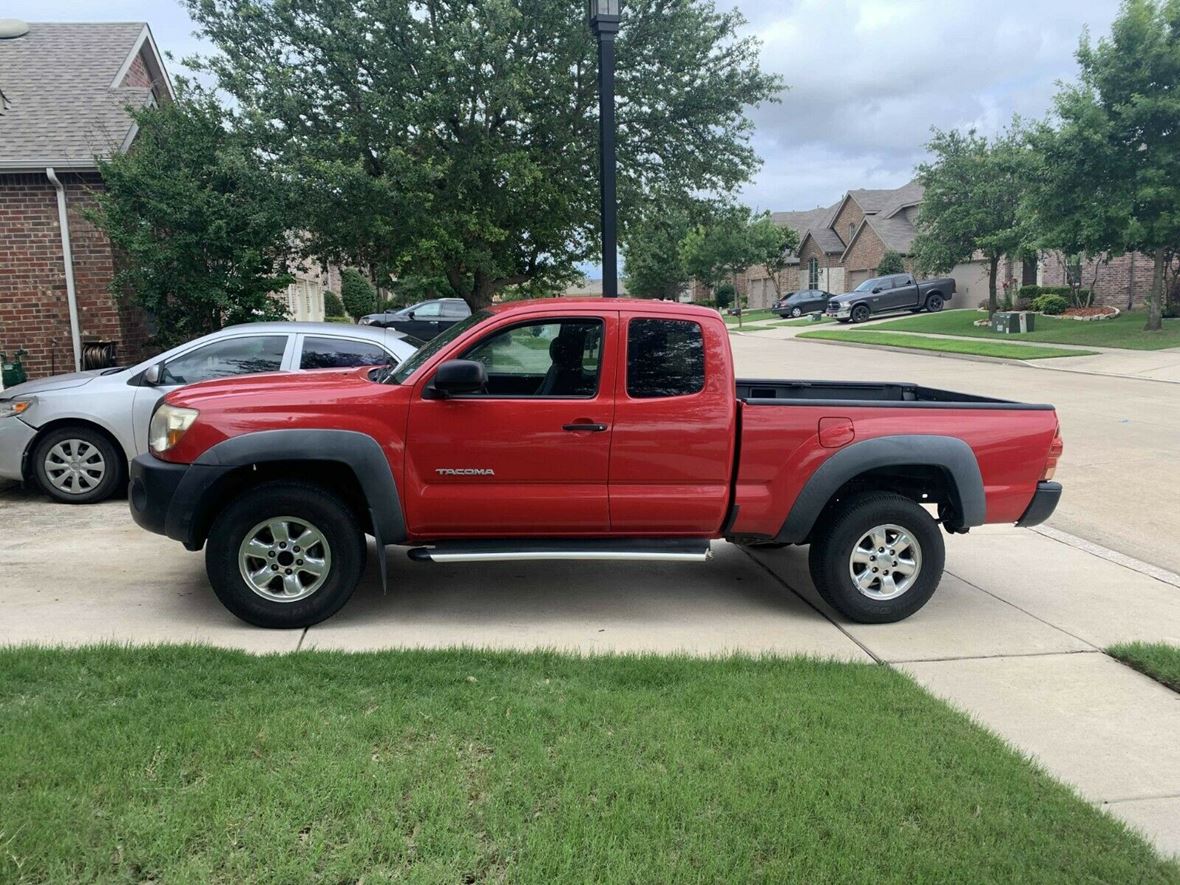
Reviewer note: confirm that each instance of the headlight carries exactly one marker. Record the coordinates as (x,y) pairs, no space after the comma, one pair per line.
(169,424)
(12,408)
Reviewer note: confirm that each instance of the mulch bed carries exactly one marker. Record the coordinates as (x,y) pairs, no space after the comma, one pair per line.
(1091,313)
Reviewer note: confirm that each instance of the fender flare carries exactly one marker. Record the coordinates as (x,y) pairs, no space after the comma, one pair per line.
(359,452)
(948,453)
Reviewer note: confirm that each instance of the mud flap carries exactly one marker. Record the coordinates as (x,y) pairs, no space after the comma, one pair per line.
(381,563)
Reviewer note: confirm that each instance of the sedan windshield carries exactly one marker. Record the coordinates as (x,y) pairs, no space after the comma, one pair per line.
(399,374)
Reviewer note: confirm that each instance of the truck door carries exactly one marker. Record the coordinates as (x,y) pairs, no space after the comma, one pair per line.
(903,294)
(674,430)
(528,455)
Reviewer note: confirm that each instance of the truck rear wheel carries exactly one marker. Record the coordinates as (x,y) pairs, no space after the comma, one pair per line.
(934,303)
(878,558)
(285,554)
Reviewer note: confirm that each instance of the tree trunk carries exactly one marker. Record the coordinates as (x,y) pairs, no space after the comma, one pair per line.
(993,271)
(1155,308)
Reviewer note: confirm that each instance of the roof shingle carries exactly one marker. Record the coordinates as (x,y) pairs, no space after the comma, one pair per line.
(61,109)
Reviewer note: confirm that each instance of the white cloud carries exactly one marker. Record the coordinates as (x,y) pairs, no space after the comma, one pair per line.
(869,78)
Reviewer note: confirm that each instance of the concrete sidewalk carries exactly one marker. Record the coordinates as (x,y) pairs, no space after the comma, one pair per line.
(1013,636)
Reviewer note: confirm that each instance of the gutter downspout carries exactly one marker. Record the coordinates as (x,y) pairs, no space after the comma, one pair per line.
(63,222)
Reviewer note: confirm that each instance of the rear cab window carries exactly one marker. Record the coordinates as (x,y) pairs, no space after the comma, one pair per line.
(664,358)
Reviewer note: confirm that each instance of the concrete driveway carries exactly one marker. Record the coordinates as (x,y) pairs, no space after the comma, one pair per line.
(1014,636)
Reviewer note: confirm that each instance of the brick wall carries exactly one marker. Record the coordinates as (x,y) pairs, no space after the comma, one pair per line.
(1117,280)
(137,74)
(34,311)
(850,214)
(866,253)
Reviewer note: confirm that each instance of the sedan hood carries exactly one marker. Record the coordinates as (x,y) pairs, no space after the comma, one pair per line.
(273,384)
(55,382)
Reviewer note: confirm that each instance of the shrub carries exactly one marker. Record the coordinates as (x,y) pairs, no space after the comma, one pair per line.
(1029,292)
(333,306)
(723,295)
(1050,304)
(357,293)
(891,262)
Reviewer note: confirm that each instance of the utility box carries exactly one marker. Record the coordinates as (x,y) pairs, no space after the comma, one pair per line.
(1013,322)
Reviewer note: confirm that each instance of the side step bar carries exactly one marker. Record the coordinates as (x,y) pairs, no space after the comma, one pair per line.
(510,550)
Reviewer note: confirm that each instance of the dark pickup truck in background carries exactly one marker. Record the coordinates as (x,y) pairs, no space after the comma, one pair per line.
(895,292)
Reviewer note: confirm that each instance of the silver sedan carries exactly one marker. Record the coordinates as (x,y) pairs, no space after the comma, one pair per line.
(73,435)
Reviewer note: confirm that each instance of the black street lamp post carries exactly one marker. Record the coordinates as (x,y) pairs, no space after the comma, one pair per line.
(603,18)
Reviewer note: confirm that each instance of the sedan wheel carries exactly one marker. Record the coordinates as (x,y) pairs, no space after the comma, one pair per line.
(796,312)
(77,465)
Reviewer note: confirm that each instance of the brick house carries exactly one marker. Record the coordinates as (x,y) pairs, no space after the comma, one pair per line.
(842,245)
(64,91)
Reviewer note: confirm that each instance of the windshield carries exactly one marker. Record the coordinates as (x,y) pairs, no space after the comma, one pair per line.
(399,374)
(866,285)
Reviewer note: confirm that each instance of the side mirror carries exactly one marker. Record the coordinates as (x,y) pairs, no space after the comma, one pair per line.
(152,376)
(878,289)
(410,315)
(459,376)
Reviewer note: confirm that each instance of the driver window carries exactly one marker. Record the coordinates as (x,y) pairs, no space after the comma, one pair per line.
(430,310)
(223,359)
(550,359)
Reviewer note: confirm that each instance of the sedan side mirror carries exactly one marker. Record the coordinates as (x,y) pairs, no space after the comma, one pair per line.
(459,376)
(152,376)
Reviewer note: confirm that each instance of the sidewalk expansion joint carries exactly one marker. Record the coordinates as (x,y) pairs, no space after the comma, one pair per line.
(1023,610)
(1153,798)
(302,636)
(1001,656)
(1162,575)
(868,651)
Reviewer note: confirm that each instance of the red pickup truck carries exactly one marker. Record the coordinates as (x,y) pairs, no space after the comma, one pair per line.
(580,429)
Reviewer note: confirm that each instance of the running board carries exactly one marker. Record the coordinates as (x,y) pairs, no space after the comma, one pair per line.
(651,549)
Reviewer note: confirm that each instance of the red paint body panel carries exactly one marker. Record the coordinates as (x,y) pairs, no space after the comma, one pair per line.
(664,466)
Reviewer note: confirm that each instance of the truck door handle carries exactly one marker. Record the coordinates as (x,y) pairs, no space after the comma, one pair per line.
(584,428)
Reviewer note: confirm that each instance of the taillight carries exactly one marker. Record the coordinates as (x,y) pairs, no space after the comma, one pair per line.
(1055,449)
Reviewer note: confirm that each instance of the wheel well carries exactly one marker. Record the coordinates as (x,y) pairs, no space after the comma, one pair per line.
(924,484)
(333,476)
(61,423)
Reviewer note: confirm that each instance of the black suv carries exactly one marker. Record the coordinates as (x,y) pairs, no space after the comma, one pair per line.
(422,320)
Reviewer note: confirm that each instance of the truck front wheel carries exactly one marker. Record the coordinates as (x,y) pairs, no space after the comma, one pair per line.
(285,555)
(878,558)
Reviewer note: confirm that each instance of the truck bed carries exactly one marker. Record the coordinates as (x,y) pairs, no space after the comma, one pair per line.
(786,392)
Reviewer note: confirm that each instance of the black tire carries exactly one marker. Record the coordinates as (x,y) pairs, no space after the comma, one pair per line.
(312,506)
(796,312)
(66,462)
(838,538)
(934,303)
(860,313)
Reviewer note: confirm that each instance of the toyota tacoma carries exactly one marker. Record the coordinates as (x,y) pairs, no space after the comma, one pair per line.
(580,429)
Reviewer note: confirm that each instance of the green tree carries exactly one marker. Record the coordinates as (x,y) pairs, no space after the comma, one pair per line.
(651,252)
(458,139)
(357,293)
(773,247)
(972,203)
(1109,174)
(730,241)
(204,230)
(891,262)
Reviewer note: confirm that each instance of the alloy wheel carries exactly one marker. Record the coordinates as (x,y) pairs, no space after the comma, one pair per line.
(285,559)
(885,562)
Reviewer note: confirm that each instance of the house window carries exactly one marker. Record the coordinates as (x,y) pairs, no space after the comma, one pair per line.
(813,273)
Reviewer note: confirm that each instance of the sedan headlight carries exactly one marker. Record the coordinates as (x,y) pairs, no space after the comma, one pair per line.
(13,407)
(169,424)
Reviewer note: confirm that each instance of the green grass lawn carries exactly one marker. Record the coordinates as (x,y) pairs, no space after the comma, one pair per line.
(1159,661)
(999,349)
(1125,330)
(192,764)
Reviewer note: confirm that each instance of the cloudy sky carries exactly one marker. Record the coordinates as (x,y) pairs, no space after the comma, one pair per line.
(868,78)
